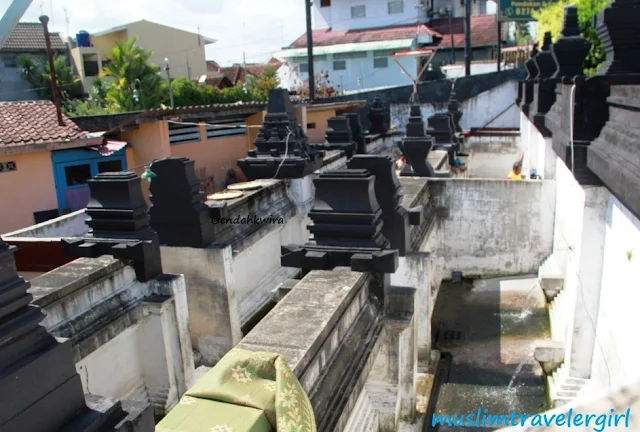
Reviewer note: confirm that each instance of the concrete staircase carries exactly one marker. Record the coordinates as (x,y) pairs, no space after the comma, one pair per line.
(562,387)
(551,278)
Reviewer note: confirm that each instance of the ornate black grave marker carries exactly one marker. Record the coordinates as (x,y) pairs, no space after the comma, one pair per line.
(119,225)
(347,227)
(377,117)
(416,146)
(444,138)
(396,219)
(178,214)
(338,136)
(544,90)
(282,149)
(357,133)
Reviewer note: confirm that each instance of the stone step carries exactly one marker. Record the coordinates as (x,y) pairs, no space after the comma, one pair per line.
(551,278)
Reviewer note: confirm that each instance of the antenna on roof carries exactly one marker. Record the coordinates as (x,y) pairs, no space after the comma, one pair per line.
(199,37)
(66,20)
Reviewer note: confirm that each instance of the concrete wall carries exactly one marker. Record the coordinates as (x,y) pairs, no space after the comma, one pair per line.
(214,156)
(69,225)
(494,227)
(338,15)
(34,189)
(185,50)
(360,73)
(130,339)
(319,119)
(13,87)
(493,108)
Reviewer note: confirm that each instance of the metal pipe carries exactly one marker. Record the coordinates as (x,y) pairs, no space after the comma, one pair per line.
(167,69)
(52,70)
(467,37)
(312,84)
(453,49)
(499,44)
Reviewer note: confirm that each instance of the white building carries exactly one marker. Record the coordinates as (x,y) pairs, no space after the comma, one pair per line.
(354,39)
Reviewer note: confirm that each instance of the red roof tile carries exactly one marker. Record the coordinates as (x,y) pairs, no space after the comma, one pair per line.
(34,122)
(484,31)
(329,37)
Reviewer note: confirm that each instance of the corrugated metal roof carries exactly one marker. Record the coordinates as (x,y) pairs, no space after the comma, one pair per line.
(351,47)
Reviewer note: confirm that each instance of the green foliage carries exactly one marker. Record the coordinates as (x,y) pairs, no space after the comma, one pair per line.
(523,37)
(37,72)
(550,19)
(133,83)
(187,92)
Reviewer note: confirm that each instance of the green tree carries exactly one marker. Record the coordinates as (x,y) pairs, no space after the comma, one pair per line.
(37,72)
(523,36)
(133,83)
(550,19)
(259,88)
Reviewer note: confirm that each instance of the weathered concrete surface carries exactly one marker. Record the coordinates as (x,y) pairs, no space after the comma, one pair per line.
(550,355)
(493,227)
(70,225)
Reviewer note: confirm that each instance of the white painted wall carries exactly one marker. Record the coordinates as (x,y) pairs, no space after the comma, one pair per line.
(338,15)
(360,73)
(477,68)
(289,76)
(616,355)
(494,108)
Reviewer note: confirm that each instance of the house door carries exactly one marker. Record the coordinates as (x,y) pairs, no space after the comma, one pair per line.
(73,168)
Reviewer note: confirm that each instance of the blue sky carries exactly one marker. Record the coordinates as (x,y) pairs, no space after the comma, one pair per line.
(259,27)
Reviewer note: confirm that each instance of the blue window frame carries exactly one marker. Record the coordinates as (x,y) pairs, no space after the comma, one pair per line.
(72,169)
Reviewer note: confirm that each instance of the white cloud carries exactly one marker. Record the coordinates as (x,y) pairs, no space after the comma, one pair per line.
(268,24)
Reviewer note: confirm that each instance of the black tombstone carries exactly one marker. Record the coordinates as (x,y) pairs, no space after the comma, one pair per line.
(282,149)
(177,213)
(338,136)
(416,146)
(580,105)
(527,84)
(441,128)
(454,110)
(544,87)
(119,225)
(396,219)
(346,229)
(377,117)
(40,390)
(357,133)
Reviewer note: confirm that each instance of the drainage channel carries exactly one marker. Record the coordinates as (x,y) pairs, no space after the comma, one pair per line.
(486,339)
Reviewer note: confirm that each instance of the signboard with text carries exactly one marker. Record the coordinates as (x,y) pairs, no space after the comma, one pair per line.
(518,10)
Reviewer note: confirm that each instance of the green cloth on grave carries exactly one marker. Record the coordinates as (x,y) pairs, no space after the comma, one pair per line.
(245,392)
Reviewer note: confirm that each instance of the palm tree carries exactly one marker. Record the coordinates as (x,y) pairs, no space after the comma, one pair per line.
(129,71)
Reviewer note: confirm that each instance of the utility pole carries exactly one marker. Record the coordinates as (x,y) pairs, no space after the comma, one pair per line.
(499,44)
(453,49)
(52,69)
(467,37)
(167,70)
(312,84)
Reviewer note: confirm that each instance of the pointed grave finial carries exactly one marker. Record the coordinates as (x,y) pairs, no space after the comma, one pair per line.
(617,27)
(570,26)
(546,43)
(571,49)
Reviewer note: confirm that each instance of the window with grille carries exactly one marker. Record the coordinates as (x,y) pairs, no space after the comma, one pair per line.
(358,11)
(339,65)
(325,3)
(395,7)
(321,57)
(381,59)
(304,68)
(226,128)
(352,55)
(183,133)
